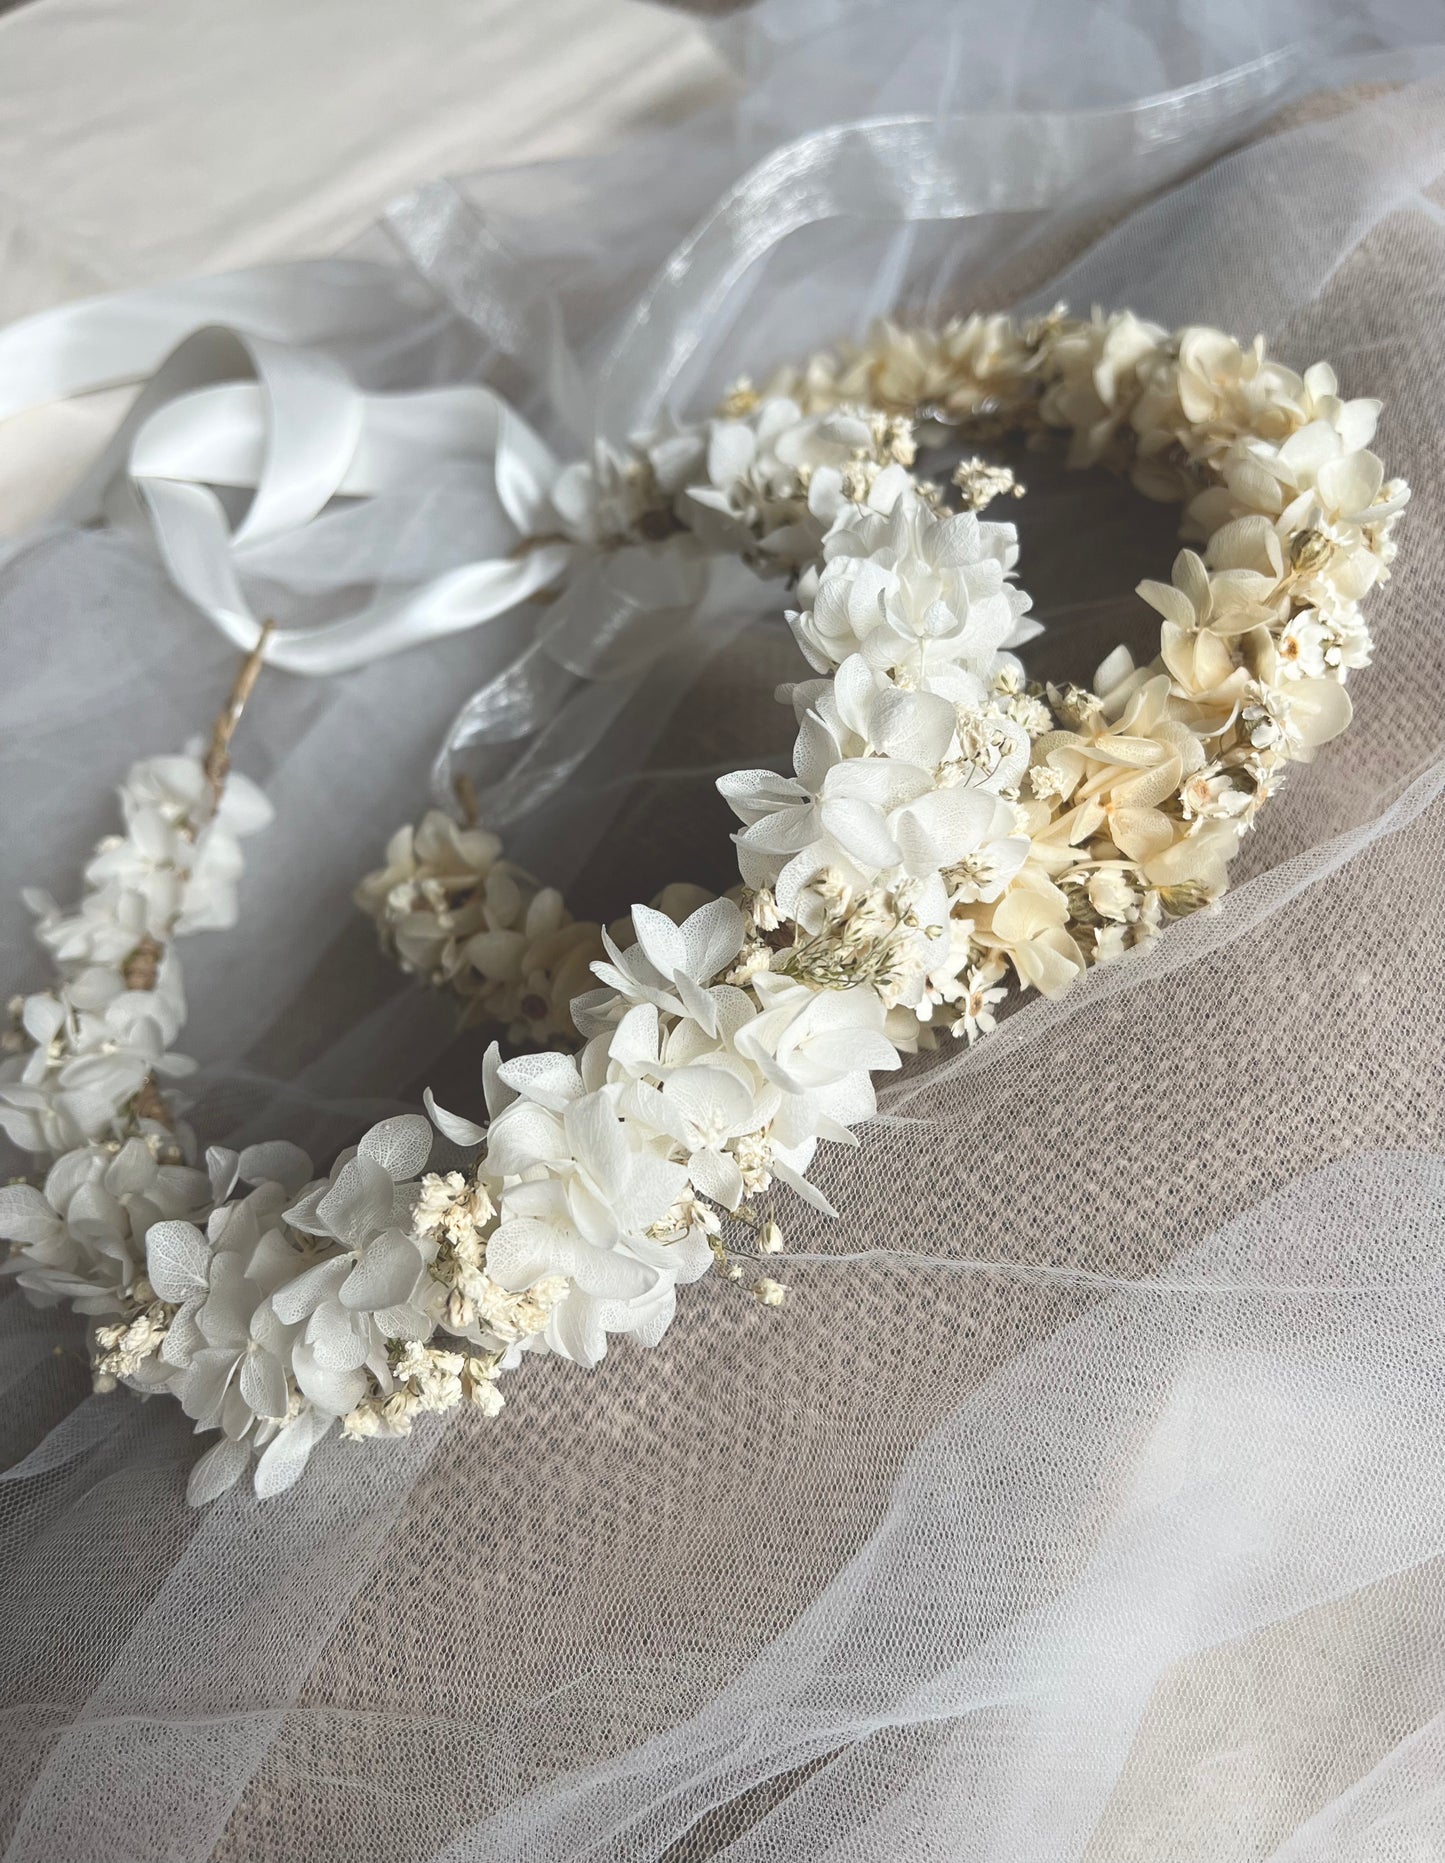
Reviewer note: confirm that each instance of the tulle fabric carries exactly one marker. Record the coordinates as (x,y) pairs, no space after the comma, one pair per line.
(1085,1500)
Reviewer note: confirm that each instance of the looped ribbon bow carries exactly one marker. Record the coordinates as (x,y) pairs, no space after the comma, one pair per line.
(244,395)
(231,408)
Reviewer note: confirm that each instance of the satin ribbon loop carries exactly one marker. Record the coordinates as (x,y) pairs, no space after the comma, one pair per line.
(231,410)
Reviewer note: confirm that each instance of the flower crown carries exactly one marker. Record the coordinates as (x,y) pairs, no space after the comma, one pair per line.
(951,836)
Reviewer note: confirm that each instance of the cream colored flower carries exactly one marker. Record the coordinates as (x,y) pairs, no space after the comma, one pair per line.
(1116,780)
(973,365)
(982,992)
(1028,926)
(1093,372)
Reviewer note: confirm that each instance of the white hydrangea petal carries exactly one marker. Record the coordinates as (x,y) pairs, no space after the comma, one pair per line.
(461,1131)
(799,1185)
(715,1174)
(549,1078)
(913,727)
(523,1136)
(860,830)
(220,1468)
(178,1260)
(385,1276)
(401,1146)
(293,1302)
(700,1096)
(275,1162)
(523,1250)
(697,1002)
(25,1216)
(285,1457)
(263,1385)
(334,1389)
(662,943)
(1349,484)
(358,1203)
(334,1340)
(712,936)
(731,449)
(206,1383)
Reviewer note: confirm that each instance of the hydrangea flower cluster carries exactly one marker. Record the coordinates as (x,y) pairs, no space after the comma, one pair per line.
(451,911)
(83,1051)
(763,480)
(950,836)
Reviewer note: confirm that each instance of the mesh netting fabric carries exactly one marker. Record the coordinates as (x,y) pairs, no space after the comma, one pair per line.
(1085,1500)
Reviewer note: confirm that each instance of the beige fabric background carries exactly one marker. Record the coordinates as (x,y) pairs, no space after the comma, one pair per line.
(141,140)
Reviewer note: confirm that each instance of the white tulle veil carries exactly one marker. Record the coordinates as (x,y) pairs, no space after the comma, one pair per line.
(1086,1501)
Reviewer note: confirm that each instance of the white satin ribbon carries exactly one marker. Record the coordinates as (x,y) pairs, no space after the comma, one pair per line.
(243,408)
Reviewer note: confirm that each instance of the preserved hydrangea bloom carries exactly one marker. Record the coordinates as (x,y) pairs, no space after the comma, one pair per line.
(1093,371)
(81,1236)
(83,1050)
(875,797)
(971,367)
(95,1045)
(777,478)
(163,877)
(370,1286)
(763,481)
(579,1197)
(450,910)
(626,495)
(921,597)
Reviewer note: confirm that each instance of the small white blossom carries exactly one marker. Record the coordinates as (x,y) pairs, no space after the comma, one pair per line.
(920,596)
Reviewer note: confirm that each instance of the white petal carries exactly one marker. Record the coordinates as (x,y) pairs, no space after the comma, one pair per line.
(702,1094)
(263,1385)
(25,1216)
(218,1469)
(860,830)
(799,1184)
(178,1259)
(333,1342)
(293,1302)
(385,1276)
(522,1251)
(598,1139)
(942,827)
(662,942)
(731,450)
(358,1203)
(713,936)
(401,1146)
(715,1174)
(460,1131)
(334,1389)
(284,1459)
(914,727)
(275,1162)
(697,1001)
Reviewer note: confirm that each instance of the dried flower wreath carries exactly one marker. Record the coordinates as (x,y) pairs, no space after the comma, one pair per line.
(950,832)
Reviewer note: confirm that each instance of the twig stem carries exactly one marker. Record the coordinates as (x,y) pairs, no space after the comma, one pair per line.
(218,755)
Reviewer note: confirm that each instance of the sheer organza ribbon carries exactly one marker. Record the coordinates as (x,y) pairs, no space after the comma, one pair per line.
(245,395)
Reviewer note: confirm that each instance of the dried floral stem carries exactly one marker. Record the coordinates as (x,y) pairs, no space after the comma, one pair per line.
(217,763)
(465,791)
(141,970)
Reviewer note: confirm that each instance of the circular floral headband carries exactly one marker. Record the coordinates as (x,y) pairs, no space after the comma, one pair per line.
(951,834)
